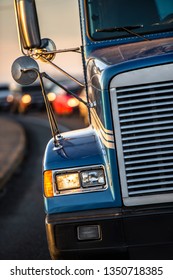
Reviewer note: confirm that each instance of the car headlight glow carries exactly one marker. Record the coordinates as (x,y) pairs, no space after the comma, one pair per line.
(10,98)
(26,98)
(73,102)
(51,96)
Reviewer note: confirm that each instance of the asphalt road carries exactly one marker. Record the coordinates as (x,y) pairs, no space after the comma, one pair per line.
(22,230)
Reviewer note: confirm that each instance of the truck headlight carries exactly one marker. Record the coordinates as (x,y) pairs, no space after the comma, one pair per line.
(80,180)
(92,178)
(68,181)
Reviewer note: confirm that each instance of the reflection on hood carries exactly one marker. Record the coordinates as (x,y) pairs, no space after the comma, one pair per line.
(117,54)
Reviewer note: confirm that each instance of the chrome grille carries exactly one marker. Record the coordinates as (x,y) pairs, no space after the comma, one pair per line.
(144,137)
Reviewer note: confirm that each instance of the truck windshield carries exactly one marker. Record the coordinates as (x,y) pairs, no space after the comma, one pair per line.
(118,18)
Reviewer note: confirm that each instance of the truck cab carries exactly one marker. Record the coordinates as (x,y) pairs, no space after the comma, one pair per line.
(108,188)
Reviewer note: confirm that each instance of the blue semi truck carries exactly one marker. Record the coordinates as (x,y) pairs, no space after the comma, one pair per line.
(108,188)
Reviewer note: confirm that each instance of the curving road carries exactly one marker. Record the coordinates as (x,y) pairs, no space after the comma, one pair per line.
(22,231)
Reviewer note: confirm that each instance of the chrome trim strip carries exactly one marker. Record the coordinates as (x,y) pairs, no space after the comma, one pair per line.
(146,76)
(106,131)
(106,135)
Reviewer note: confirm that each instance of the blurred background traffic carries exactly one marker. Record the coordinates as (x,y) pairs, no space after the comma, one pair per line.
(65,32)
(18,99)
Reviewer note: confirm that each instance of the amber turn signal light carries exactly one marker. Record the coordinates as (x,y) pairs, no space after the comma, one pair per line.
(48,184)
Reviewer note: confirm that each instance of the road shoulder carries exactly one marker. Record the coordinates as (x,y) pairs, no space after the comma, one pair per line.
(12,146)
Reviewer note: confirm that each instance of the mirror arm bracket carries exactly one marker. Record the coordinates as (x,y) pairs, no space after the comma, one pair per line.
(51,117)
(45,75)
(77,50)
(61,70)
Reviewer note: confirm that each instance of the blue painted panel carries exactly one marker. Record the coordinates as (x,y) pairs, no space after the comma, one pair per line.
(80,148)
(79,202)
(114,70)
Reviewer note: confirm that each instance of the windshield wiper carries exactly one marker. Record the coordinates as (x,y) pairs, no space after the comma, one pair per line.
(128,29)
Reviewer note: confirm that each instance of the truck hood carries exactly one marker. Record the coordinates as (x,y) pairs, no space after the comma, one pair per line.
(118,54)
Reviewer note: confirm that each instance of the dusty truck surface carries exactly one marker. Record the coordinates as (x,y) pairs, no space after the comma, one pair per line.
(108,188)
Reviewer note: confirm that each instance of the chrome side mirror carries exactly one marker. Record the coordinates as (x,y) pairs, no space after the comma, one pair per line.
(25,70)
(28,26)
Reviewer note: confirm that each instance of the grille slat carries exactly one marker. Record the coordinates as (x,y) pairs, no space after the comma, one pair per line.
(145,115)
(148,186)
(138,88)
(145,131)
(148,125)
(133,174)
(149,167)
(151,154)
(149,179)
(158,159)
(149,118)
(151,142)
(143,100)
(145,192)
(154,104)
(137,150)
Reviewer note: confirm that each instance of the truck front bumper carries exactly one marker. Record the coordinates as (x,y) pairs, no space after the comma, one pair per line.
(136,233)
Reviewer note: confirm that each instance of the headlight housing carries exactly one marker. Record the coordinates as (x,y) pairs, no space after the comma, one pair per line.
(78,180)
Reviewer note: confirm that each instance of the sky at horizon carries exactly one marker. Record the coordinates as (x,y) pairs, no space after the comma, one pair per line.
(59,21)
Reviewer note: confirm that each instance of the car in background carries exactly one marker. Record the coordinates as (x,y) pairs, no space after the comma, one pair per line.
(83,109)
(8,99)
(5,97)
(31,98)
(62,102)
